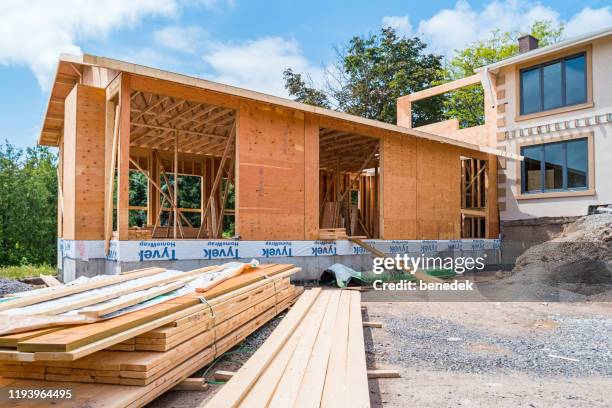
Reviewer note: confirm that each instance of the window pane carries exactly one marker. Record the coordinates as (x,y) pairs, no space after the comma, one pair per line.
(577,163)
(553,87)
(575,80)
(530,91)
(554,160)
(532,172)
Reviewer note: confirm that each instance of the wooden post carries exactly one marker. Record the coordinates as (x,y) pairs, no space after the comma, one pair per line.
(176,182)
(154,196)
(123,182)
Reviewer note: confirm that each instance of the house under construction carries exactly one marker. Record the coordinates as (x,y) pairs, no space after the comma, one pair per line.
(302,176)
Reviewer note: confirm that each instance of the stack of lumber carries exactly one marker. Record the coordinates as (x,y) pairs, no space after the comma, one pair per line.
(315,357)
(332,233)
(141,354)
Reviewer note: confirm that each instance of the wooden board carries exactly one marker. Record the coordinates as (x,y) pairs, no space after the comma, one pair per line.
(319,362)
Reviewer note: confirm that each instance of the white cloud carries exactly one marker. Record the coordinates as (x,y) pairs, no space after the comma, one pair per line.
(589,20)
(455,28)
(34,33)
(401,24)
(183,39)
(258,64)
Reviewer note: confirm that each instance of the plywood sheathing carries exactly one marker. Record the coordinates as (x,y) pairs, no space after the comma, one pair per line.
(83,163)
(271,177)
(422,190)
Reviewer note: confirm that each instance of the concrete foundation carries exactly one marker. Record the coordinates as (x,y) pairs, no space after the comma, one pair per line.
(76,259)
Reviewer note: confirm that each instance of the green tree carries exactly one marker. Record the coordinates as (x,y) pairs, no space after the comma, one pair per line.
(28,205)
(370,73)
(467,104)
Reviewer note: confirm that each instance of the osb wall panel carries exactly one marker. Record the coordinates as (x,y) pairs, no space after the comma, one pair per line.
(311,177)
(438,192)
(89,163)
(270,179)
(399,186)
(68,162)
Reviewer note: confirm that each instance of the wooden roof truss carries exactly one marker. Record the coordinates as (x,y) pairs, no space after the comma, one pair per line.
(155,121)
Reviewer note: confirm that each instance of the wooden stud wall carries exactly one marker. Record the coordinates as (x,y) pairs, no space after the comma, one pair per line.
(277,170)
(83,163)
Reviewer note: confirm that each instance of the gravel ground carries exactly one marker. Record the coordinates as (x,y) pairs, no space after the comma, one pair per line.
(12,286)
(458,354)
(582,347)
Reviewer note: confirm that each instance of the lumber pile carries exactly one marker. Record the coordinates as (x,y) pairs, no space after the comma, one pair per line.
(332,233)
(139,355)
(315,357)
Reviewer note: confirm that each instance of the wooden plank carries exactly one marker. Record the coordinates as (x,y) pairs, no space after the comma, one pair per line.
(69,290)
(123,159)
(104,310)
(223,375)
(93,299)
(440,89)
(383,374)
(11,340)
(356,378)
(287,389)
(334,388)
(191,384)
(313,381)
(236,389)
(50,280)
(72,344)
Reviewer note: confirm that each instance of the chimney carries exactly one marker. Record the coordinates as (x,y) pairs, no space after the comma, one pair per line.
(527,43)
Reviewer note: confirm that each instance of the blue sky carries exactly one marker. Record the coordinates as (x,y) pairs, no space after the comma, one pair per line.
(244,43)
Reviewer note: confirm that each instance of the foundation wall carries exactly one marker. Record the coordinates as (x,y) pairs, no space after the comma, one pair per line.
(87,258)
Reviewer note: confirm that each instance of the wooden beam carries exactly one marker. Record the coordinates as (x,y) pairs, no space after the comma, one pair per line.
(108,205)
(383,374)
(123,180)
(441,89)
(176,183)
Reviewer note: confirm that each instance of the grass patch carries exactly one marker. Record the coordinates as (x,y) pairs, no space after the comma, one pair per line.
(22,271)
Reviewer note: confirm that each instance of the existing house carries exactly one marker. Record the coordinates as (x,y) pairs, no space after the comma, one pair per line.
(295,169)
(552,105)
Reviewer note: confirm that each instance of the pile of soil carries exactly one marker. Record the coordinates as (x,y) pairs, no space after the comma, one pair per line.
(578,260)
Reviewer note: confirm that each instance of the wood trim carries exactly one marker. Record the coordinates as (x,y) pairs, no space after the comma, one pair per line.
(558,194)
(551,57)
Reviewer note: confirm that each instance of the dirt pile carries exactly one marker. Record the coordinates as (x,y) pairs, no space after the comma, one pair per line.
(577,260)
